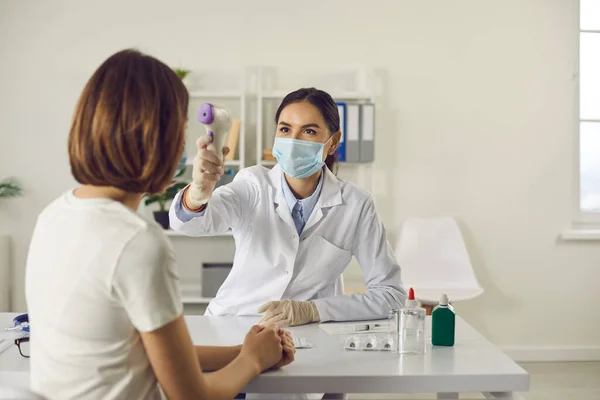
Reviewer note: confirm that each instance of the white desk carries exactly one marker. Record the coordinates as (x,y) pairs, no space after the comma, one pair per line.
(472,365)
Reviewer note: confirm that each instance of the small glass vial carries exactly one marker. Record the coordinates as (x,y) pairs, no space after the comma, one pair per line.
(411,336)
(394,321)
(394,328)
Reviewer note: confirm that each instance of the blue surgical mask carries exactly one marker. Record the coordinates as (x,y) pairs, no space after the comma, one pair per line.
(298,158)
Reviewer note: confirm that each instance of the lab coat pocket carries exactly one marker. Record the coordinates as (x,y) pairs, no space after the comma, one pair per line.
(323,262)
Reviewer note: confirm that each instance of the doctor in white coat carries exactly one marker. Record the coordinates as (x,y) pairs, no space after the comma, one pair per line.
(296,226)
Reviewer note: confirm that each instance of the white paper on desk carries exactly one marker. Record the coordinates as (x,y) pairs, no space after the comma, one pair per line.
(5,345)
(356,327)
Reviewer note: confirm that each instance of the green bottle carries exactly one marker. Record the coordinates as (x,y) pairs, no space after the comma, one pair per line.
(442,324)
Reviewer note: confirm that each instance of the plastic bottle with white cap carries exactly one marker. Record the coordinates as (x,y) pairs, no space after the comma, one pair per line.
(411,337)
(443,324)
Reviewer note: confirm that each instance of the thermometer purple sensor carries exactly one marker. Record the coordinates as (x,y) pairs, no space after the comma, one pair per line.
(217,122)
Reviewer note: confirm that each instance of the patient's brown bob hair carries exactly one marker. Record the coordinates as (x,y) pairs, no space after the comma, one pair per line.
(128,130)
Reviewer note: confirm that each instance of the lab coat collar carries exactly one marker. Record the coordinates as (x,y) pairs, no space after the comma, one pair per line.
(331,193)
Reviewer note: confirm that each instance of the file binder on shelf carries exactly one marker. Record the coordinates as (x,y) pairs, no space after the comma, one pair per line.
(352,133)
(341,150)
(367,133)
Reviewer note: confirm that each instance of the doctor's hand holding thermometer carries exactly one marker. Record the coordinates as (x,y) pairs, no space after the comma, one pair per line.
(208,162)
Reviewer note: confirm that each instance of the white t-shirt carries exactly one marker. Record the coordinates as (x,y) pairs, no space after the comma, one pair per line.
(97,275)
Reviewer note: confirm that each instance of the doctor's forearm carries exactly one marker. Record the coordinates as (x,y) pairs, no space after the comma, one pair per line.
(213,358)
(374,304)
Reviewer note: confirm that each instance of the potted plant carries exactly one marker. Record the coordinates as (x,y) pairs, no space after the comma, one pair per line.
(162,215)
(8,189)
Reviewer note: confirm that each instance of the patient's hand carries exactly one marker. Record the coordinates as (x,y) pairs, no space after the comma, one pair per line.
(289,350)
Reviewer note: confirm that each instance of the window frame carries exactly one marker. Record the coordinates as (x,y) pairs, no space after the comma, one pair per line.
(583,219)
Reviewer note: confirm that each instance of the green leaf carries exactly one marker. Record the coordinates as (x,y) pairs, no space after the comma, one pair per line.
(181,73)
(150,200)
(181,172)
(178,186)
(172,191)
(162,198)
(10,189)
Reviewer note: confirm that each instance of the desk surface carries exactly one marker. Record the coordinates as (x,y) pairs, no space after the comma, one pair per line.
(472,365)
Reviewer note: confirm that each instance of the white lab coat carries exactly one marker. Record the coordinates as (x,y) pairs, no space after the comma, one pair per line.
(272,263)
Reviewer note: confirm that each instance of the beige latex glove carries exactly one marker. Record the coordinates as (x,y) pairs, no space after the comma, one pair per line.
(206,172)
(289,313)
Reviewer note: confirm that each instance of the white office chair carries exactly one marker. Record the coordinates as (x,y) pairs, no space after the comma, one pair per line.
(434,260)
(15,393)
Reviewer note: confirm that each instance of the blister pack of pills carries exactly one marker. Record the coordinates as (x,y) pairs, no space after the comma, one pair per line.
(302,343)
(371,343)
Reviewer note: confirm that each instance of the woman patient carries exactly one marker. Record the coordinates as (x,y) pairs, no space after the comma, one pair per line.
(101,282)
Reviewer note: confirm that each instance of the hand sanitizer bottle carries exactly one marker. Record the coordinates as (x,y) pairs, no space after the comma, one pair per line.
(411,338)
(442,324)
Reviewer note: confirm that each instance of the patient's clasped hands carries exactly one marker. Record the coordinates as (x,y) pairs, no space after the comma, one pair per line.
(268,347)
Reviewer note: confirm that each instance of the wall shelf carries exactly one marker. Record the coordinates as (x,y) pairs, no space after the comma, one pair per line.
(191,294)
(232,163)
(280,94)
(216,95)
(195,300)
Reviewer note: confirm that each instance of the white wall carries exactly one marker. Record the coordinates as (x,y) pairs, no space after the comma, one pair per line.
(478,122)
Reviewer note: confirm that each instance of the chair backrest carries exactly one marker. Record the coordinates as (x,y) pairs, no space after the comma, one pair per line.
(15,393)
(432,253)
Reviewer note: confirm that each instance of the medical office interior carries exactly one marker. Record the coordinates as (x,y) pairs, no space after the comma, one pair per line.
(484,138)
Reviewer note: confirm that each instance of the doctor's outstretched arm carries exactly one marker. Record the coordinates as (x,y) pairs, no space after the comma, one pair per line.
(381,273)
(198,211)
